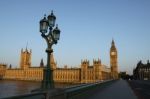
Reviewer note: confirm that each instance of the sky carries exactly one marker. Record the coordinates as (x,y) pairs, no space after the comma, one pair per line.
(87,29)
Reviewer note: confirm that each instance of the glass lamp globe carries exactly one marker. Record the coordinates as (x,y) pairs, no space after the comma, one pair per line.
(51,20)
(43,25)
(56,33)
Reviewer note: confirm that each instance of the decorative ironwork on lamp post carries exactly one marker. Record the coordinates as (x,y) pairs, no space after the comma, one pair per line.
(51,37)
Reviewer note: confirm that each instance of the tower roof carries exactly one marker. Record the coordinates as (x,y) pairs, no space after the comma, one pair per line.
(113,47)
(113,43)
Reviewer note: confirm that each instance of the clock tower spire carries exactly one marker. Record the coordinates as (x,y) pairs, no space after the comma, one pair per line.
(114,61)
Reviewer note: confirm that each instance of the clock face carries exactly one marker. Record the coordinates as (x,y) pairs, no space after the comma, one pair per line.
(113,53)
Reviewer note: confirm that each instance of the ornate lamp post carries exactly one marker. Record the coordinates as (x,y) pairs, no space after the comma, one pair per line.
(51,37)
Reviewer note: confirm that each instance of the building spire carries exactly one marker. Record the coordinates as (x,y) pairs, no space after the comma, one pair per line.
(27,47)
(42,63)
(113,47)
(10,66)
(113,43)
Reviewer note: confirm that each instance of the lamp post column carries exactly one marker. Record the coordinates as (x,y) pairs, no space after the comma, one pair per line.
(51,38)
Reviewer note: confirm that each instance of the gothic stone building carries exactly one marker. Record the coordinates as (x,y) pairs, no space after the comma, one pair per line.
(86,73)
(142,71)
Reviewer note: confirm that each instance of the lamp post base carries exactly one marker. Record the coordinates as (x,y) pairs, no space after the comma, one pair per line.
(47,82)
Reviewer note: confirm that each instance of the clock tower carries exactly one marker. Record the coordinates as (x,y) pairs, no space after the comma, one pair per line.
(114,61)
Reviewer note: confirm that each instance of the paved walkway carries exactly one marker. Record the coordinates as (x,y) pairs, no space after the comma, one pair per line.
(118,90)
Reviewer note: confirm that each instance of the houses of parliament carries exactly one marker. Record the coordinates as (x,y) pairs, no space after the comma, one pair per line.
(86,73)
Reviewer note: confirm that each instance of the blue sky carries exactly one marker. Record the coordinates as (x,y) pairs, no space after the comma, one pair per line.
(87,28)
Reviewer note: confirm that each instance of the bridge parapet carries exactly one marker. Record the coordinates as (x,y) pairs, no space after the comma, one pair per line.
(73,92)
(81,91)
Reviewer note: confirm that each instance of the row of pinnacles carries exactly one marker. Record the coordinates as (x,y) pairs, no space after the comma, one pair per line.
(86,63)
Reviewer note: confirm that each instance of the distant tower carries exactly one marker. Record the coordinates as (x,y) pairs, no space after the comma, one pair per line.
(25,59)
(84,71)
(52,62)
(114,60)
(42,63)
(97,70)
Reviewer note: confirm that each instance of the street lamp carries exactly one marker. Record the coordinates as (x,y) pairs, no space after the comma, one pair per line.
(51,37)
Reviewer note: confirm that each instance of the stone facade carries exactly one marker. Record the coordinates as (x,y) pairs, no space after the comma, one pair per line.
(2,70)
(85,74)
(142,71)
